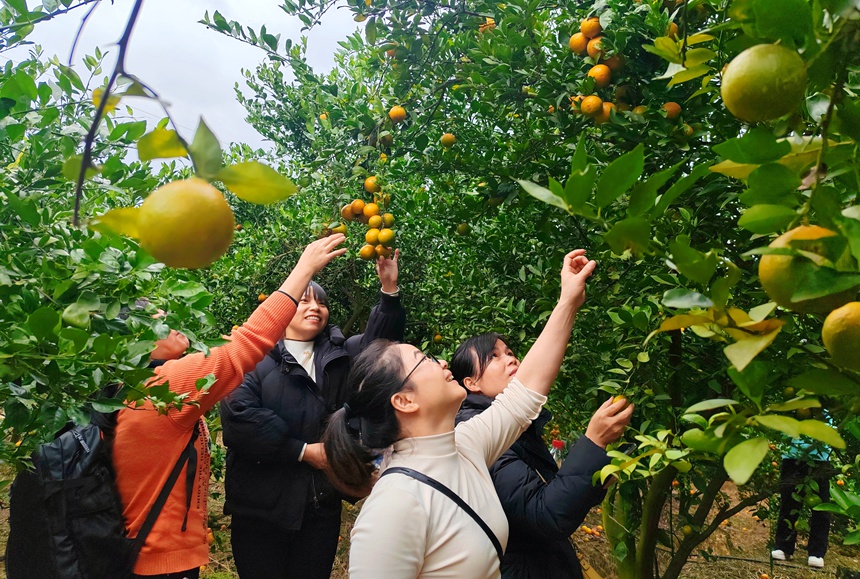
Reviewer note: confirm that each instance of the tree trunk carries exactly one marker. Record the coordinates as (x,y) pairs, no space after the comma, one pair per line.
(646,550)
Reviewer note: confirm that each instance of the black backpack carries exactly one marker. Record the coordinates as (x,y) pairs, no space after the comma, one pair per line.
(65,515)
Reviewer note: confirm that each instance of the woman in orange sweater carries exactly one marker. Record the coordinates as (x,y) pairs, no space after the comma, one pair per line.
(148,444)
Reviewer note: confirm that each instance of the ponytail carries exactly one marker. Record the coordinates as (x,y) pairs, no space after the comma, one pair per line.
(356,434)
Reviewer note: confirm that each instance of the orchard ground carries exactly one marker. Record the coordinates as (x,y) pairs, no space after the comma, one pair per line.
(740,548)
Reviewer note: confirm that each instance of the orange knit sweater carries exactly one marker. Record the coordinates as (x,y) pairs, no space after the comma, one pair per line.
(148,444)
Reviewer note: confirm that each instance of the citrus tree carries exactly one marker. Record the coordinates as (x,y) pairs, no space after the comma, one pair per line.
(670,139)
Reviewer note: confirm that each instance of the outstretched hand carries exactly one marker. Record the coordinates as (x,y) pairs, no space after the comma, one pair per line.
(609,422)
(574,273)
(320,252)
(388,270)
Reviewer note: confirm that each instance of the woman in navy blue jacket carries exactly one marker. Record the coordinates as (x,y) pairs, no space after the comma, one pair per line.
(544,503)
(285,512)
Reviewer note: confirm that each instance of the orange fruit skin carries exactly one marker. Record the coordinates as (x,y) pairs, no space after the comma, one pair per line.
(640,110)
(367,252)
(448,140)
(673,110)
(339,229)
(186,224)
(388,219)
(382,251)
(575,103)
(595,48)
(578,43)
(672,32)
(591,105)
(763,82)
(601,75)
(841,335)
(590,27)
(386,237)
(386,140)
(397,114)
(603,115)
(779,278)
(371,210)
(614,62)
(262,297)
(346,212)
(372,236)
(357,207)
(375,221)
(370,184)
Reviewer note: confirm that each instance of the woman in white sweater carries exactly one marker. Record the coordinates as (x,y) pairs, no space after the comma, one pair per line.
(407,400)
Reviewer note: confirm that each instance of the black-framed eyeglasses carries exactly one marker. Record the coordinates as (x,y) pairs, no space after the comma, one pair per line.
(426,356)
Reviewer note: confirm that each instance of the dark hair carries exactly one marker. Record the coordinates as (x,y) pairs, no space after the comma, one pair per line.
(472,356)
(353,442)
(318,292)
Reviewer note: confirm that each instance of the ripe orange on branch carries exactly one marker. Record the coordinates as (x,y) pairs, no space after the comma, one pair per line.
(595,48)
(186,224)
(590,27)
(764,82)
(397,114)
(370,184)
(578,43)
(601,75)
(448,140)
(591,105)
(604,114)
(841,335)
(358,207)
(370,210)
(673,110)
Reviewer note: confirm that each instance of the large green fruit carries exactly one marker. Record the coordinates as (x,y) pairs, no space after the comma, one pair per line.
(763,82)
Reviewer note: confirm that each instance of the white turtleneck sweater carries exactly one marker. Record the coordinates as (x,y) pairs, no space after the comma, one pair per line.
(408,529)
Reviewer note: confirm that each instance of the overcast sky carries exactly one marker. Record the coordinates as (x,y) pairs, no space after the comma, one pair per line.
(193,68)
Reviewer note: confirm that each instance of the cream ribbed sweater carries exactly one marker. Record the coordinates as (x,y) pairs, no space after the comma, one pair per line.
(408,529)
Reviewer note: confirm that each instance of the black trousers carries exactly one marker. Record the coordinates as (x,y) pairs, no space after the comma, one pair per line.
(792,474)
(262,550)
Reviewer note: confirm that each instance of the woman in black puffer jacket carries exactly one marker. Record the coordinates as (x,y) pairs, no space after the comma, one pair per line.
(285,512)
(544,503)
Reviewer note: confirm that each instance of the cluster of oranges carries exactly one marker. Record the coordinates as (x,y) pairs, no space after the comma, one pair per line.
(488,25)
(589,41)
(595,532)
(379,237)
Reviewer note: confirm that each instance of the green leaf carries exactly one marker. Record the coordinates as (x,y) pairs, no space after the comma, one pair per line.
(579,163)
(752,380)
(160,144)
(108,405)
(852,538)
(710,405)
(633,234)
(826,383)
(764,219)
(823,432)
(742,460)
(370,31)
(644,194)
(772,184)
(579,186)
(690,73)
(848,113)
(783,424)
(543,194)
(205,152)
(683,298)
(121,221)
(72,168)
(757,146)
(745,350)
(257,183)
(44,323)
(795,405)
(77,315)
(680,187)
(701,440)
(816,282)
(697,266)
(787,20)
(620,175)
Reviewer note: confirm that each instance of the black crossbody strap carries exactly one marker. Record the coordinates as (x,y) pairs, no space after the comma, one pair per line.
(421,477)
(155,510)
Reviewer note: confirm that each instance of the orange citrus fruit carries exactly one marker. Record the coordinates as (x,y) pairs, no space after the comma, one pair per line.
(371,209)
(372,236)
(590,27)
(603,115)
(323,116)
(673,110)
(464,229)
(575,103)
(601,75)
(448,140)
(339,228)
(382,251)
(595,48)
(370,184)
(763,82)
(614,62)
(388,219)
(672,31)
(780,275)
(375,221)
(578,43)
(397,114)
(640,110)
(841,335)
(186,224)
(387,140)
(358,207)
(367,252)
(386,237)
(262,297)
(591,105)
(346,212)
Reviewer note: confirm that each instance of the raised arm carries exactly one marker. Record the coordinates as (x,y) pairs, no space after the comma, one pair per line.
(540,366)
(250,342)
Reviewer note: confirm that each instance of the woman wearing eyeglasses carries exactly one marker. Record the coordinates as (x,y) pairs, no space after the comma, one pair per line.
(412,524)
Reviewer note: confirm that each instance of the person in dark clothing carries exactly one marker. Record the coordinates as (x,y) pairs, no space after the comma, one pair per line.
(285,512)
(544,503)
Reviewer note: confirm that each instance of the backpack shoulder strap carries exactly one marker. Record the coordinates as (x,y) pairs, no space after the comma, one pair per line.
(159,503)
(421,477)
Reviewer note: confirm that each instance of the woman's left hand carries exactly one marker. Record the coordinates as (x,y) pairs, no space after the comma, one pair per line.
(387,270)
(574,273)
